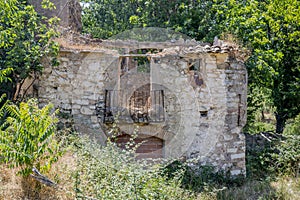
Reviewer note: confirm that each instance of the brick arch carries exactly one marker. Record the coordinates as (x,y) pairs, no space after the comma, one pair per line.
(150,146)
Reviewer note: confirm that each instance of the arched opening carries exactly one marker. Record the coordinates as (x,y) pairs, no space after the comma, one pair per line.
(149,146)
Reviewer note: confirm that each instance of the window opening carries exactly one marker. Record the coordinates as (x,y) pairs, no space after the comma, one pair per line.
(157,113)
(143,64)
(194,64)
(139,105)
(143,106)
(203,113)
(138,60)
(108,111)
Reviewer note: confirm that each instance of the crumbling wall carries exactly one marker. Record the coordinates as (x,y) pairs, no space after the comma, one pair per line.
(204,98)
(75,86)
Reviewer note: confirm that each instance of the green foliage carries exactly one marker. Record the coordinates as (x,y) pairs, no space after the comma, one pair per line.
(197,19)
(279,156)
(110,173)
(27,136)
(293,126)
(4,73)
(202,178)
(259,161)
(271,30)
(104,19)
(260,110)
(25,39)
(259,127)
(288,158)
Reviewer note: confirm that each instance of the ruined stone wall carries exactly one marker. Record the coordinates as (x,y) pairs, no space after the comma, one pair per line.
(76,85)
(212,108)
(204,99)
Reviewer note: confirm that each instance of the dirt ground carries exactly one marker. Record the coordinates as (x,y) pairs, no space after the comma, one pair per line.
(15,187)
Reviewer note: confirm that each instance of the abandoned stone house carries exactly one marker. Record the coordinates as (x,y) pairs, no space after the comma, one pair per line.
(187,99)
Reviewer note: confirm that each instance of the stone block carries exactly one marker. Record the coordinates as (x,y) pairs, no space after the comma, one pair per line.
(237,156)
(76,106)
(235,172)
(75,111)
(94,119)
(232,150)
(86,111)
(82,102)
(211,66)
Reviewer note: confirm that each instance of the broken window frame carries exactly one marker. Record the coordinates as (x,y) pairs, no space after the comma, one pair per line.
(107,111)
(140,56)
(108,108)
(194,64)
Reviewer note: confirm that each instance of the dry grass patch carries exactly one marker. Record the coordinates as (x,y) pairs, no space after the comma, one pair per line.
(283,188)
(13,187)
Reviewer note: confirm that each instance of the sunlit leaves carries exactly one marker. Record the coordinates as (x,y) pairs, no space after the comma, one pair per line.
(271,29)
(27,136)
(197,19)
(25,39)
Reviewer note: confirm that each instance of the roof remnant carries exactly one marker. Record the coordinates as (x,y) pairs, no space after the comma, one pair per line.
(70,40)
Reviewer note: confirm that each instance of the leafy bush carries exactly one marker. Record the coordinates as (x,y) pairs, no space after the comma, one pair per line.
(259,162)
(259,109)
(288,158)
(111,173)
(4,75)
(293,126)
(202,178)
(25,39)
(27,136)
(281,156)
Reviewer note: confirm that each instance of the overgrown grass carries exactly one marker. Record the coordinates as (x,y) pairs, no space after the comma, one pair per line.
(111,173)
(91,171)
(211,186)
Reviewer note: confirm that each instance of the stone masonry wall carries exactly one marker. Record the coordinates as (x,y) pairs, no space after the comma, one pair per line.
(204,99)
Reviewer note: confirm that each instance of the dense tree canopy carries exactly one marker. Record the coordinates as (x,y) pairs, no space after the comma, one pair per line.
(24,40)
(197,19)
(271,29)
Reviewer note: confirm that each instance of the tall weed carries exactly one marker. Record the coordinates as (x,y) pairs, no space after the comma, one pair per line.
(112,173)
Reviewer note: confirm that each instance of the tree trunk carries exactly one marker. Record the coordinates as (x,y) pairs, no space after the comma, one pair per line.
(280,121)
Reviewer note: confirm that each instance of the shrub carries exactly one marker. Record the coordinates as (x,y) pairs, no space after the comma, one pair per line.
(288,158)
(259,160)
(111,173)
(27,136)
(202,178)
(293,126)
